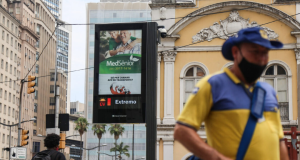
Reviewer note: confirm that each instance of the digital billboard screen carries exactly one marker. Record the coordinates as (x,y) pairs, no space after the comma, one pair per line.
(120,65)
(119,71)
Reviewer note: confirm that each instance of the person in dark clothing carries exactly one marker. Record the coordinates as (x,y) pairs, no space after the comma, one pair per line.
(52,144)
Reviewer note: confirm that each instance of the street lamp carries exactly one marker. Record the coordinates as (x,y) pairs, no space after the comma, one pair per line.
(32,119)
(88,149)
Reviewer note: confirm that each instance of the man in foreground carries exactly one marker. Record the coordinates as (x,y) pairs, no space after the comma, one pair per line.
(227,102)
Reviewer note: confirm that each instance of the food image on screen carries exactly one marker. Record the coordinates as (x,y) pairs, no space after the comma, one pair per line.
(120,62)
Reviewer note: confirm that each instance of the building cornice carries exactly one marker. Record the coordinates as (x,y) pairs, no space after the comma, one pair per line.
(41,22)
(290,46)
(30,31)
(228,6)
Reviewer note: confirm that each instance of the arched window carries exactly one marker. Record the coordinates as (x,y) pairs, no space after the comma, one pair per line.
(192,76)
(276,75)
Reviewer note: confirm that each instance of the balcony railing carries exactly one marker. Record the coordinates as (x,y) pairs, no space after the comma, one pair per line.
(284,111)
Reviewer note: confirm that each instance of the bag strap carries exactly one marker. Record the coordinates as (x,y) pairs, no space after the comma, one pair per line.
(256,112)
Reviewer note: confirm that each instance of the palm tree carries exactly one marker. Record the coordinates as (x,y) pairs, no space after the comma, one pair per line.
(121,150)
(81,127)
(99,129)
(116,130)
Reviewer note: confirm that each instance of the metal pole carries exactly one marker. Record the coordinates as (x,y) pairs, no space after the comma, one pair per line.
(55,75)
(20,104)
(9,141)
(133,142)
(57,107)
(88,154)
(99,150)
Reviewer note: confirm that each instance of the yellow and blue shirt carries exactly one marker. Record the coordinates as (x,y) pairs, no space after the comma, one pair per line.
(222,101)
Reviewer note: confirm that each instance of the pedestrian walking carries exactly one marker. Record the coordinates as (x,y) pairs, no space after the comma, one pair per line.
(52,144)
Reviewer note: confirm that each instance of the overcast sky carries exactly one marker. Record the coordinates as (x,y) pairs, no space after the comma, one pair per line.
(74,11)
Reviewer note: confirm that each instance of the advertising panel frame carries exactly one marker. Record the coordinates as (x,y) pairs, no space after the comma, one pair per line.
(149,77)
(119,115)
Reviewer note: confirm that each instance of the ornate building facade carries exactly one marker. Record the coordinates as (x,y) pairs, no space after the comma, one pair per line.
(196,31)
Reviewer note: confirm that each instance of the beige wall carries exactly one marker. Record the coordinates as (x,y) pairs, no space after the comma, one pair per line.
(8,101)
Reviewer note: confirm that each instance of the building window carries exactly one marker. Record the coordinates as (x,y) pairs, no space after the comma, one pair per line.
(37,68)
(34,122)
(36,147)
(36,94)
(17,10)
(3,141)
(52,101)
(37,45)
(52,89)
(277,77)
(73,110)
(192,76)
(35,107)
(115,15)
(34,132)
(52,75)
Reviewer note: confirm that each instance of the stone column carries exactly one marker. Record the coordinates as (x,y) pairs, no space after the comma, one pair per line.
(169,59)
(297,52)
(157,149)
(158,90)
(168,148)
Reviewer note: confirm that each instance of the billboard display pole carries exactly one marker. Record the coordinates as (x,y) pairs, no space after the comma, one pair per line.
(151,76)
(125,72)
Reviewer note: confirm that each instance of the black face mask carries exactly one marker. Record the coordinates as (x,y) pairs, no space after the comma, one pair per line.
(250,71)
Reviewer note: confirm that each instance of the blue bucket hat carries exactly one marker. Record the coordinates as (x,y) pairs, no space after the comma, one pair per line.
(252,35)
